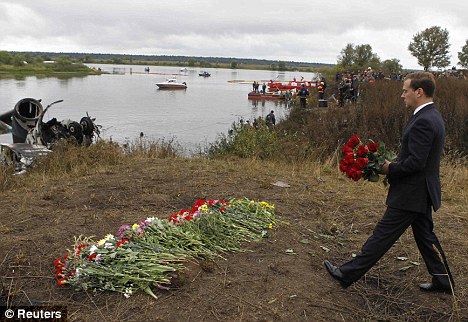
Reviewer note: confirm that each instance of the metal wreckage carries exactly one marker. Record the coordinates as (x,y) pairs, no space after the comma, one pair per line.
(33,138)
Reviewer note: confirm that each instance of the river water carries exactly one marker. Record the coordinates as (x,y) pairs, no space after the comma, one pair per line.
(127,102)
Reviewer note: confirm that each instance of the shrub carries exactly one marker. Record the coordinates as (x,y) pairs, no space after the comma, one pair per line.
(245,142)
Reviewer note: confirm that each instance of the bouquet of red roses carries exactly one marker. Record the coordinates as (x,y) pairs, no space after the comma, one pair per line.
(365,161)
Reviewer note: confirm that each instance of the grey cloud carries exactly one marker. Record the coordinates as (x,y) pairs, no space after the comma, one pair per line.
(272,29)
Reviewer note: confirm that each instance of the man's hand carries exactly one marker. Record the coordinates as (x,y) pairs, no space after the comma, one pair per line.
(385,166)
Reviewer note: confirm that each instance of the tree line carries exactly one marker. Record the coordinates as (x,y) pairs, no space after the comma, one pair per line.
(19,58)
(430,47)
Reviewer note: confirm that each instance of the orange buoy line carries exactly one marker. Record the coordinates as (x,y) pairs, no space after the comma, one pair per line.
(154,73)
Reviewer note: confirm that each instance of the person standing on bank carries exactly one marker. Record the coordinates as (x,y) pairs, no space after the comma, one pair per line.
(414,190)
(270,120)
(303,93)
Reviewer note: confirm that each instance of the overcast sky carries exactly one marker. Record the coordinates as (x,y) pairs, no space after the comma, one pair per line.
(308,31)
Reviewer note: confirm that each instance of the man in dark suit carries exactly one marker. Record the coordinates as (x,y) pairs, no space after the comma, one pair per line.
(414,191)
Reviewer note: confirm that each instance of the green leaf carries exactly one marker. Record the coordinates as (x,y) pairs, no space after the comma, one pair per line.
(150,292)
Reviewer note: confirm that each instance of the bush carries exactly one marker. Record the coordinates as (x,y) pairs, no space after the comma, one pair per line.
(245,142)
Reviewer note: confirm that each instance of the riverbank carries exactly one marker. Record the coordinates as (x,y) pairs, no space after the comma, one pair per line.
(45,70)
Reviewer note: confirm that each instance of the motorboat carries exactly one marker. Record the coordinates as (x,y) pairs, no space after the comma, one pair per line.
(172,83)
(204,74)
(267,96)
(293,85)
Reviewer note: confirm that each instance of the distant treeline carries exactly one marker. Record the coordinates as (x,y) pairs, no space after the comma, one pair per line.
(180,60)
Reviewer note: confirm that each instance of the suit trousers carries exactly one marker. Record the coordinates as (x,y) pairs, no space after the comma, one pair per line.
(387,231)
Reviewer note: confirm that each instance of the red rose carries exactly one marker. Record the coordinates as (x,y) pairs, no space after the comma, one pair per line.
(346,149)
(373,146)
(343,167)
(361,162)
(362,151)
(353,141)
(349,171)
(348,159)
(356,175)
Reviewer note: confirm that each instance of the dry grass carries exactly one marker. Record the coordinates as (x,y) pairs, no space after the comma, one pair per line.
(325,216)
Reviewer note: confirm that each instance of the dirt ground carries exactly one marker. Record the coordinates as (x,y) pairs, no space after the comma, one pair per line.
(280,278)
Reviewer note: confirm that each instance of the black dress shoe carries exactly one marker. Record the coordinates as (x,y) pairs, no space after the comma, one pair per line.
(435,287)
(336,273)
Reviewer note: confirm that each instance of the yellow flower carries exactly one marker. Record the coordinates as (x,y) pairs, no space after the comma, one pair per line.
(109,236)
(204,208)
(270,226)
(266,205)
(135,226)
(101,242)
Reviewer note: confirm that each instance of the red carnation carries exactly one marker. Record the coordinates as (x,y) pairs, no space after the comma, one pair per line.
(58,262)
(120,243)
(353,141)
(62,281)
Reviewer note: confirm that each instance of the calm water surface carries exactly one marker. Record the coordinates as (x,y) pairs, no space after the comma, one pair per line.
(130,103)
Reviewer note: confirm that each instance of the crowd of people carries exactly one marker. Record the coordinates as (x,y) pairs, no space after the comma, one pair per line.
(347,88)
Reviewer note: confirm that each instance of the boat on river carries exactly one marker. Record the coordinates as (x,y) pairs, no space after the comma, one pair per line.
(290,85)
(266,96)
(204,74)
(172,83)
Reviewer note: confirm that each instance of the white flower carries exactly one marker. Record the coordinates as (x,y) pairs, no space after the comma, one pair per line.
(109,237)
(150,219)
(92,249)
(108,245)
(128,292)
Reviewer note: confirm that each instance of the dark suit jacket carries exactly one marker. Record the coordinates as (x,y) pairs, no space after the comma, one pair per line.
(414,177)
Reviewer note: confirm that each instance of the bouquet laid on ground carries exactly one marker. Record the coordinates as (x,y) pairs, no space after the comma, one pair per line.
(147,254)
(360,160)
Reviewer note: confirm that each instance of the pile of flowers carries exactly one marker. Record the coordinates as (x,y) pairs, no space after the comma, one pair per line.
(359,160)
(148,254)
